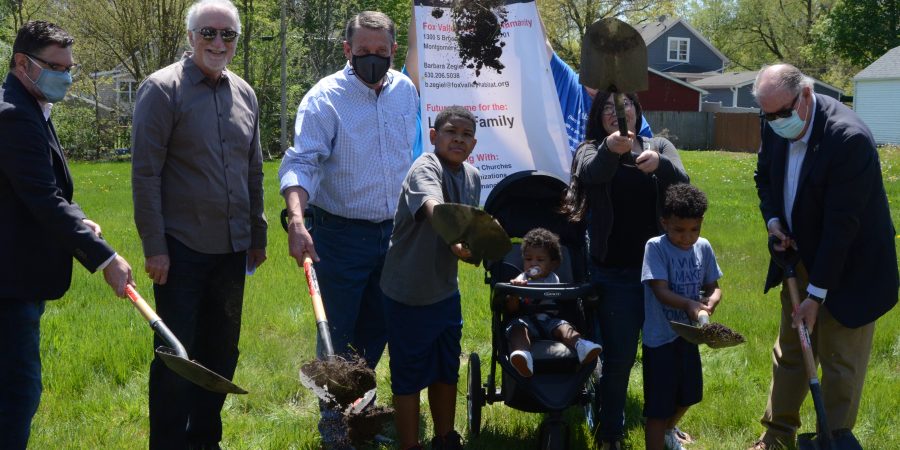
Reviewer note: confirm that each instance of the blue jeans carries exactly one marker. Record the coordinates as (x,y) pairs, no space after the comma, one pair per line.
(621,317)
(351,254)
(20,369)
(201,303)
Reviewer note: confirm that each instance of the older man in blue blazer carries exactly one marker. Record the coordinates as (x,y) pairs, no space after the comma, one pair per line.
(819,183)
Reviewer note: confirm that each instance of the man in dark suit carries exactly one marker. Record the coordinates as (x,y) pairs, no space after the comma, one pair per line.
(41,227)
(819,183)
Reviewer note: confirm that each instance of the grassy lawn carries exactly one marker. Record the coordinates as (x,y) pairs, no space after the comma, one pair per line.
(96,348)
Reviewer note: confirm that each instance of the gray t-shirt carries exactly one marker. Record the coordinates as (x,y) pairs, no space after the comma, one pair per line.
(686,271)
(419,268)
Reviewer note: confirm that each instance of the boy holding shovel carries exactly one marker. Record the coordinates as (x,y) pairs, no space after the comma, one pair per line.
(423,310)
(678,265)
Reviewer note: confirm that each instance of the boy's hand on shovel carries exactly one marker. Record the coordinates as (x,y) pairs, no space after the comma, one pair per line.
(806,313)
(694,309)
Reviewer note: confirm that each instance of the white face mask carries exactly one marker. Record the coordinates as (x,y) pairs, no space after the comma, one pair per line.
(788,127)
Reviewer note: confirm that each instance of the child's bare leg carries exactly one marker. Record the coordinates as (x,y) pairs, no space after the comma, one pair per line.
(518,338)
(406,419)
(655,433)
(442,400)
(567,334)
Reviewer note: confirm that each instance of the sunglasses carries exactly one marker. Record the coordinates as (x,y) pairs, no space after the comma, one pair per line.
(209,34)
(72,70)
(783,114)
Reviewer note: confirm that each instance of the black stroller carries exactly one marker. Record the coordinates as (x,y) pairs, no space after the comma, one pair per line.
(522,201)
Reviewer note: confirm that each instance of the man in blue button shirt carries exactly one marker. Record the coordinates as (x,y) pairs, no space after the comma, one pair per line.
(352,148)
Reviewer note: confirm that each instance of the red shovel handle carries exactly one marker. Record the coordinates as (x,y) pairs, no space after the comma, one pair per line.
(318,309)
(141,304)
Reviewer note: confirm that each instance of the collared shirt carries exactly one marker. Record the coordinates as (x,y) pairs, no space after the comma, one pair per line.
(197,162)
(796,155)
(352,147)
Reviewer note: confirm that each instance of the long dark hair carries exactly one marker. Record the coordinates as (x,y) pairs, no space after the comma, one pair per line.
(574,205)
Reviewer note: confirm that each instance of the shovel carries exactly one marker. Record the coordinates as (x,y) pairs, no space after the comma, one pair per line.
(614,59)
(337,363)
(485,238)
(788,260)
(714,335)
(175,357)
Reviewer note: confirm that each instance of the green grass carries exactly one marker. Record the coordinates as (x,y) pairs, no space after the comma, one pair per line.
(96,348)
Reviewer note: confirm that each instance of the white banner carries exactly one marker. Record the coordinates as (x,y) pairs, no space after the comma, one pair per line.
(520,124)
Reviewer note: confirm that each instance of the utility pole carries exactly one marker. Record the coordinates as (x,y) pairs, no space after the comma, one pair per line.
(283,75)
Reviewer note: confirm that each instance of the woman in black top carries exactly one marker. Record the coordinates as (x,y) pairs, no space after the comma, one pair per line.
(617,186)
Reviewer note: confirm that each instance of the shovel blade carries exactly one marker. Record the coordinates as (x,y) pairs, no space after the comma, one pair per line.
(197,374)
(613,57)
(690,333)
(463,223)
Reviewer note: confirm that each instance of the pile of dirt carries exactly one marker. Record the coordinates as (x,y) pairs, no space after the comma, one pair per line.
(368,423)
(339,383)
(478,25)
(344,379)
(717,335)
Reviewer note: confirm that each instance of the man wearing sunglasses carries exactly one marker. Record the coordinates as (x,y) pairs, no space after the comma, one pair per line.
(198,206)
(41,228)
(819,182)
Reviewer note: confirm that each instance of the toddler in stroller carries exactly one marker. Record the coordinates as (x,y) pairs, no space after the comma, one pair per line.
(521,202)
(539,318)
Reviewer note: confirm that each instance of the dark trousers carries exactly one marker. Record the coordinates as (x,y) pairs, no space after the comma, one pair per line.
(621,317)
(201,303)
(20,370)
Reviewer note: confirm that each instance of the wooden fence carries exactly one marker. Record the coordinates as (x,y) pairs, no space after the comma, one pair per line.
(694,130)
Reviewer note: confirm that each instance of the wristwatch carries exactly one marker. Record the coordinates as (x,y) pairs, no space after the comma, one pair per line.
(815,298)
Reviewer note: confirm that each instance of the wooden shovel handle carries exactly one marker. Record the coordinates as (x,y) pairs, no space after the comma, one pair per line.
(141,305)
(314,293)
(805,344)
(703,318)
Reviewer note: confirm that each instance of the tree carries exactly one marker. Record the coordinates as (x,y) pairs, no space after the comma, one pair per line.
(860,31)
(142,35)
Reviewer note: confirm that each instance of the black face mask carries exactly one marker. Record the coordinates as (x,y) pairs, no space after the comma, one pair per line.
(370,68)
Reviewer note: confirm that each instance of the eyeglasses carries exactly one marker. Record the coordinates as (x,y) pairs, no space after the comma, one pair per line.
(609,109)
(783,114)
(72,70)
(209,34)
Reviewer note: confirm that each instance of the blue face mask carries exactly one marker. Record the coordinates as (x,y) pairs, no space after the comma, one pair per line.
(788,127)
(52,84)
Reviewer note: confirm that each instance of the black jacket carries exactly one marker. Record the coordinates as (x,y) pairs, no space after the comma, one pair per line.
(841,221)
(41,228)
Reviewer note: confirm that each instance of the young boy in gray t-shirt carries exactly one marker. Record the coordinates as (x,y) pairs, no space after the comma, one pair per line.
(423,309)
(680,276)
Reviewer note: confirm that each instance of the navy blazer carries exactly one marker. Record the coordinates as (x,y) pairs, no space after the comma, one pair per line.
(841,221)
(41,228)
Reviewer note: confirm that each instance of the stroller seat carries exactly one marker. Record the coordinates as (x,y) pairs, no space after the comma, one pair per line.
(553,357)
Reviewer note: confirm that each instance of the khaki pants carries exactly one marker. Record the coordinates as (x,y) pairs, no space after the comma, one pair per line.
(842,353)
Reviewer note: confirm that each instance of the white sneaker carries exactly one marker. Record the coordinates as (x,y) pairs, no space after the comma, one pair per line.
(672,442)
(522,362)
(587,351)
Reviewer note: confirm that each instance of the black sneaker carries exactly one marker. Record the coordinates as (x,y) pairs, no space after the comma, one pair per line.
(451,441)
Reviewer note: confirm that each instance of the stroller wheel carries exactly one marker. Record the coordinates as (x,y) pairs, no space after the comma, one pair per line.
(554,435)
(592,407)
(475,396)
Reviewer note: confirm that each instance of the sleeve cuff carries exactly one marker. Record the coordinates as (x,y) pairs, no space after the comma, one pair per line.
(817,292)
(769,222)
(106,263)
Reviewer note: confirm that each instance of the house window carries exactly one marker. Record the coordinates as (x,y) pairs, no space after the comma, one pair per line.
(125,91)
(679,49)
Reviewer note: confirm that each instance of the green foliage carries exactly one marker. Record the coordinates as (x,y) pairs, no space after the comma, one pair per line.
(97,349)
(860,31)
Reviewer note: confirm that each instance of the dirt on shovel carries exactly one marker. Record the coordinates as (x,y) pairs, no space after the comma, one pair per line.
(717,335)
(340,382)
